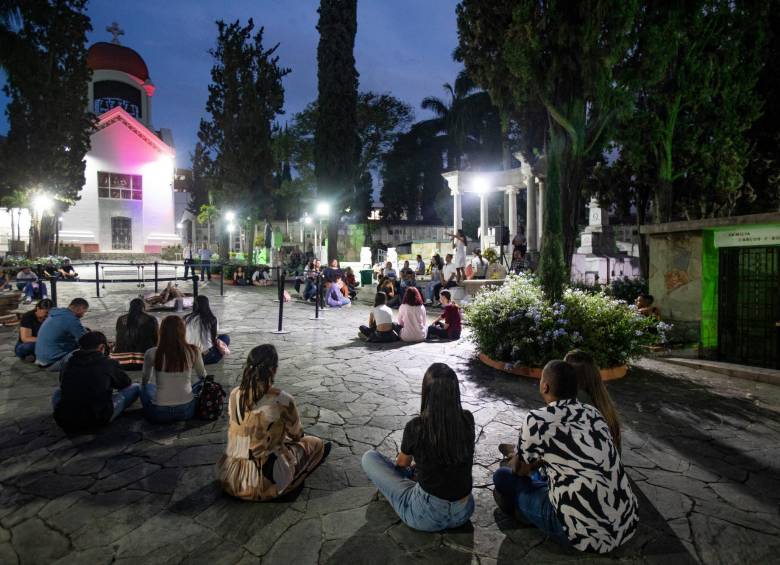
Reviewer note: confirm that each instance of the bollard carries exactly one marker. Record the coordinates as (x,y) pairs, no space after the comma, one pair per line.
(53,282)
(221,280)
(195,286)
(318,290)
(97,278)
(103,272)
(280,292)
(155,277)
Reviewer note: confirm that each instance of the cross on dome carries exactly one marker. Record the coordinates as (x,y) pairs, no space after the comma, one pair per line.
(116,31)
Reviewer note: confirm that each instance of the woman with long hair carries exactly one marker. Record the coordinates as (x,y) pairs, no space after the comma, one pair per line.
(440,442)
(412,317)
(459,242)
(591,390)
(168,393)
(267,454)
(380,328)
(136,332)
(203,331)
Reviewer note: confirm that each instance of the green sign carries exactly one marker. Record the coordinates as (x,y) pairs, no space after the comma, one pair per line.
(748,236)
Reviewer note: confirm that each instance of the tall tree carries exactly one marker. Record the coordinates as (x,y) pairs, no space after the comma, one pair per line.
(335,152)
(563,57)
(691,78)
(245,97)
(49,129)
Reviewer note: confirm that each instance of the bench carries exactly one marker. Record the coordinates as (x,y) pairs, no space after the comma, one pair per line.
(472,287)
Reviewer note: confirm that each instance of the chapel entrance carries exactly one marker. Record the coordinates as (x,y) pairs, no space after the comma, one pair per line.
(749,306)
(121,233)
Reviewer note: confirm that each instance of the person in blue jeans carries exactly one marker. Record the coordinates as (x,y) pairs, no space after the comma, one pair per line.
(85,398)
(565,476)
(202,331)
(437,450)
(168,393)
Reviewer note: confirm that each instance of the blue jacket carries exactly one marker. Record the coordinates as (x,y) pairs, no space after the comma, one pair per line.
(58,336)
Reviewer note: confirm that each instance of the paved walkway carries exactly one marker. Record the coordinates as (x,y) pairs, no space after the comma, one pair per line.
(702,449)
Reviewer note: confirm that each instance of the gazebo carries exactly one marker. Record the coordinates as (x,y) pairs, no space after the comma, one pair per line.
(508,183)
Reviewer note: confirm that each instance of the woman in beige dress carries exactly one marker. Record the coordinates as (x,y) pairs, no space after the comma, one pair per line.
(267,454)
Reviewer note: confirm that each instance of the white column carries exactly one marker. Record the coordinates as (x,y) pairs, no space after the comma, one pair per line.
(540,216)
(531,234)
(511,210)
(457,211)
(483,220)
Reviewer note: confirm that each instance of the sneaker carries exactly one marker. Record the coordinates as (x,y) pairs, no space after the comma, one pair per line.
(29,359)
(28,300)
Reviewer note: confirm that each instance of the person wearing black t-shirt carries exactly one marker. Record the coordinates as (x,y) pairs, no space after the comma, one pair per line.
(429,483)
(67,271)
(28,330)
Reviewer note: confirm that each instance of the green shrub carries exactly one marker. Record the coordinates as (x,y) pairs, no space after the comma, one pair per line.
(627,289)
(516,323)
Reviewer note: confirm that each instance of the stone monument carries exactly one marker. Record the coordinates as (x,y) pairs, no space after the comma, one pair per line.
(597,238)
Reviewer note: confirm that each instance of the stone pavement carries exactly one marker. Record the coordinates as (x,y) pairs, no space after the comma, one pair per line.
(702,449)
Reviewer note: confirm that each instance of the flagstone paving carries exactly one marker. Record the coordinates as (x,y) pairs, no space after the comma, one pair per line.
(702,450)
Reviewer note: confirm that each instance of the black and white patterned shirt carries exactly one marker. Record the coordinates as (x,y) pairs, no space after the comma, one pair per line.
(588,486)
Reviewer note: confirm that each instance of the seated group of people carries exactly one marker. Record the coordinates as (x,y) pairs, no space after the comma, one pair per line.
(32,284)
(411,325)
(444,275)
(564,477)
(261,276)
(172,356)
(338,287)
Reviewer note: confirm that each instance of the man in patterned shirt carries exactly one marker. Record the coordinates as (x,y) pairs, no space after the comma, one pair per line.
(566,477)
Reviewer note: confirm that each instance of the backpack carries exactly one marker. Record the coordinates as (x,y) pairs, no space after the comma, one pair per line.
(211,400)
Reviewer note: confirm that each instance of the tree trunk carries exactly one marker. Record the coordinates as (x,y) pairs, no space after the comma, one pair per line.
(333,236)
(552,267)
(644,248)
(663,201)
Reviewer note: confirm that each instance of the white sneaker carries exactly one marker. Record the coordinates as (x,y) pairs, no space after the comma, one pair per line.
(28,300)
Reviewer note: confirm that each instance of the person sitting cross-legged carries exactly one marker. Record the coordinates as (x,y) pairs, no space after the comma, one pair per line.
(66,270)
(28,330)
(411,316)
(334,295)
(583,498)
(27,281)
(437,449)
(168,393)
(59,335)
(136,332)
(380,328)
(203,331)
(86,397)
(267,453)
(448,325)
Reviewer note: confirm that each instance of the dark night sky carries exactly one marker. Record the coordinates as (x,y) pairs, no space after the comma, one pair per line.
(403,47)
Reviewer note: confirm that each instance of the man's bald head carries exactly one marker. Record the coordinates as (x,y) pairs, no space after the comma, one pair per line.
(558,382)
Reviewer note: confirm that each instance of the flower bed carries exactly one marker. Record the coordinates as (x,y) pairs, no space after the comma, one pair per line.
(516,324)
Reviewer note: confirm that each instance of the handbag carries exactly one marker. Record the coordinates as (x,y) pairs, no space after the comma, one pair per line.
(211,400)
(221,347)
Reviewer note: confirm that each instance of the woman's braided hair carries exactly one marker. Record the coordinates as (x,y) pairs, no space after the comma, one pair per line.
(259,369)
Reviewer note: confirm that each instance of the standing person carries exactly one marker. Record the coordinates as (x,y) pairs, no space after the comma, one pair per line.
(205,262)
(440,443)
(420,266)
(380,326)
(448,325)
(480,265)
(591,390)
(584,499)
(203,331)
(136,332)
(168,393)
(411,316)
(59,335)
(66,270)
(267,453)
(435,270)
(189,260)
(28,330)
(85,398)
(459,242)
(268,240)
(519,243)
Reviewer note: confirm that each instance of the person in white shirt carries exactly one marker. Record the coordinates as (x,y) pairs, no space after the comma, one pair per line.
(459,242)
(203,331)
(380,326)
(205,262)
(411,316)
(480,265)
(447,279)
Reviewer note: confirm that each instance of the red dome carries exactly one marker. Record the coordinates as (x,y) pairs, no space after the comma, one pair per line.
(113,57)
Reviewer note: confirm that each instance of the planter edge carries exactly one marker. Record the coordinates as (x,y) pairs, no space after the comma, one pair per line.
(608,374)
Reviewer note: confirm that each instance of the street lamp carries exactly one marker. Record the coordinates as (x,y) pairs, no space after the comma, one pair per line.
(323,211)
(481,184)
(42,203)
(230,216)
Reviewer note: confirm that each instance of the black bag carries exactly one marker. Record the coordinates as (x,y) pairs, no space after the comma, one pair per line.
(211,401)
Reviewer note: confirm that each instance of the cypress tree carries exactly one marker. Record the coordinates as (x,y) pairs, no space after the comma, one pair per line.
(335,150)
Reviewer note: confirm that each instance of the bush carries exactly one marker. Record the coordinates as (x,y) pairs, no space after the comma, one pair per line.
(515,323)
(627,289)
